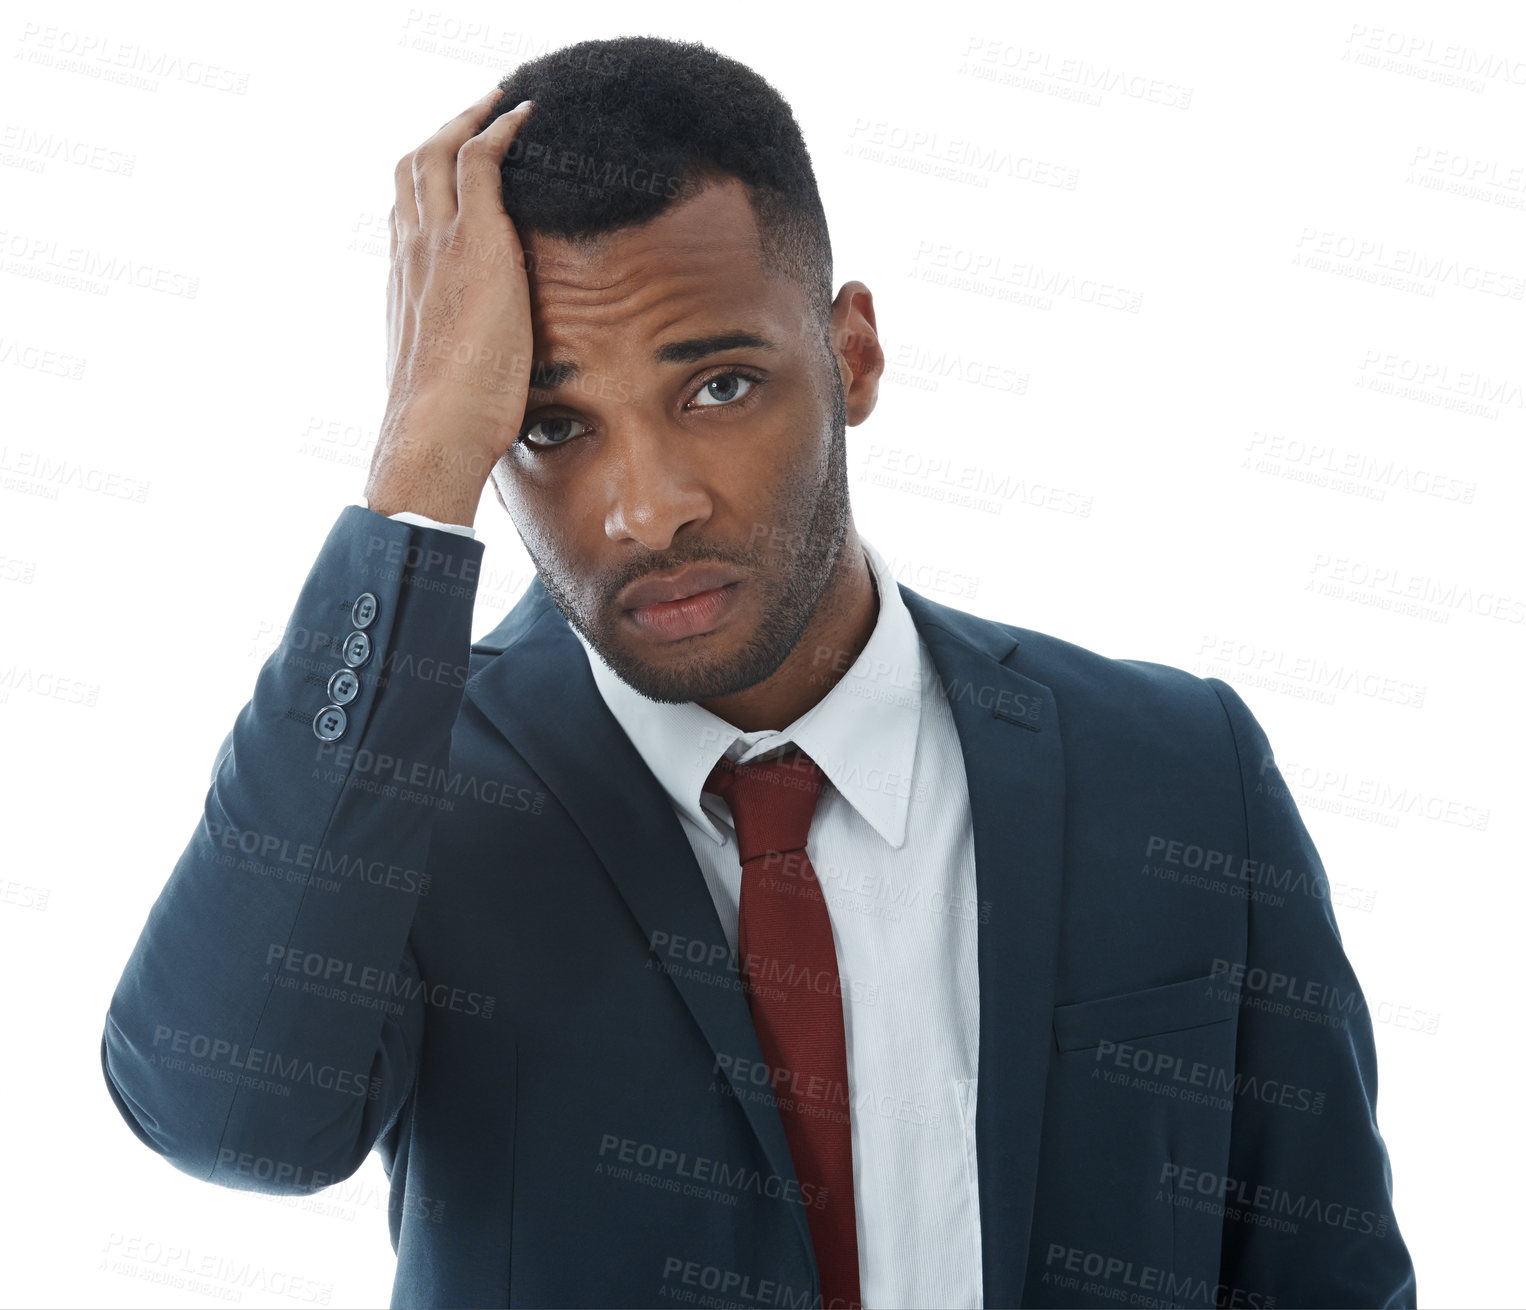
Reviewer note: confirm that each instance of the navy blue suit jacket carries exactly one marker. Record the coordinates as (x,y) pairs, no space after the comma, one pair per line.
(471,934)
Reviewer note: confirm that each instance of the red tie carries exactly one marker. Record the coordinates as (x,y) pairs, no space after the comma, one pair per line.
(788,967)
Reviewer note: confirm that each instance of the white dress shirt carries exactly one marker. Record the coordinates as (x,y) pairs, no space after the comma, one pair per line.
(893,849)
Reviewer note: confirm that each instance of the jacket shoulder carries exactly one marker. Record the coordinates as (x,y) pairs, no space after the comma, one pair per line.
(1085,682)
(1145,685)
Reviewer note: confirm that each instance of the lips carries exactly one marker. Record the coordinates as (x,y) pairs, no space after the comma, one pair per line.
(691,581)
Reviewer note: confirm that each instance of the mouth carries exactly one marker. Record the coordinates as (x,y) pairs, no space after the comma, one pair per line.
(686,616)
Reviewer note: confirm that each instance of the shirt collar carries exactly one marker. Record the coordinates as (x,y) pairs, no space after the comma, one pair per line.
(863,732)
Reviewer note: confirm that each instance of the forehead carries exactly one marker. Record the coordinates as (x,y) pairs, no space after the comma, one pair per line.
(700,259)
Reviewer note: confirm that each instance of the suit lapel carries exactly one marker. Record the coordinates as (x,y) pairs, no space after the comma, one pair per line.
(1009,733)
(577,747)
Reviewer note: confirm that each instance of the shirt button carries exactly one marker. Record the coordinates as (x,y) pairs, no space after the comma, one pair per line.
(344,686)
(329,723)
(363,612)
(357,649)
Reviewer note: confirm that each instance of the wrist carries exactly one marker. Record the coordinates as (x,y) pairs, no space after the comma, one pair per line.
(427,492)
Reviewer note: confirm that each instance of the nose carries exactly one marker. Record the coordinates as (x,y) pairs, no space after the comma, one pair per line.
(656,486)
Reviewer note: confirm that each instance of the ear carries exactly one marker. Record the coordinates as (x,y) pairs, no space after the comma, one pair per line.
(856,347)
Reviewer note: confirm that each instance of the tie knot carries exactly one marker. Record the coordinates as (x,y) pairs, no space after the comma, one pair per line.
(771,802)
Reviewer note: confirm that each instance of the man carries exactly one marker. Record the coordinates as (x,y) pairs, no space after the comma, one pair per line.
(731,924)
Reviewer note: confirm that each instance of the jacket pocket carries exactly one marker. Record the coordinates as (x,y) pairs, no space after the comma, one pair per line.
(1127,1015)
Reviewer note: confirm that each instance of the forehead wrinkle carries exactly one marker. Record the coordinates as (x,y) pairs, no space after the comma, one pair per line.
(558,367)
(635,293)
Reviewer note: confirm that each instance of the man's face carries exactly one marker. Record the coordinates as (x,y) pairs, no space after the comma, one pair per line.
(724,455)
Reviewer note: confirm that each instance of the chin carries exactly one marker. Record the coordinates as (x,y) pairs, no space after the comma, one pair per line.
(692,669)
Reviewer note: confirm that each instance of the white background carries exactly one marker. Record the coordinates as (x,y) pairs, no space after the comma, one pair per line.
(1295,475)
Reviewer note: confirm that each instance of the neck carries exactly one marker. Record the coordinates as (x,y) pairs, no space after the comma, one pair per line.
(838,631)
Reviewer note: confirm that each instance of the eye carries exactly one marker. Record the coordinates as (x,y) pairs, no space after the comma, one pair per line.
(721,389)
(561,437)
(718,392)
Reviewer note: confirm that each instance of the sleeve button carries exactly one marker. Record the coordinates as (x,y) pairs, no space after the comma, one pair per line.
(329,723)
(357,649)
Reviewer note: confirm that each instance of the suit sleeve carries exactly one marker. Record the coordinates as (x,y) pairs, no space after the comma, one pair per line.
(267,1026)
(1309,1215)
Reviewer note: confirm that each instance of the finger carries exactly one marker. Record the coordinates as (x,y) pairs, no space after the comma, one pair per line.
(479,165)
(434,162)
(392,231)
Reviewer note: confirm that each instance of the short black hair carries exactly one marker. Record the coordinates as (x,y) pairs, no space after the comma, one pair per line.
(624,128)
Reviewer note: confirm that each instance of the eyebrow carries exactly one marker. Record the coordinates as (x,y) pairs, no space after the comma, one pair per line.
(550,374)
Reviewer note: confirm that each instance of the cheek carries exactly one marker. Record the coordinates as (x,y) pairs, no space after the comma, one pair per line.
(562,534)
(526,512)
(781,453)
(531,502)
